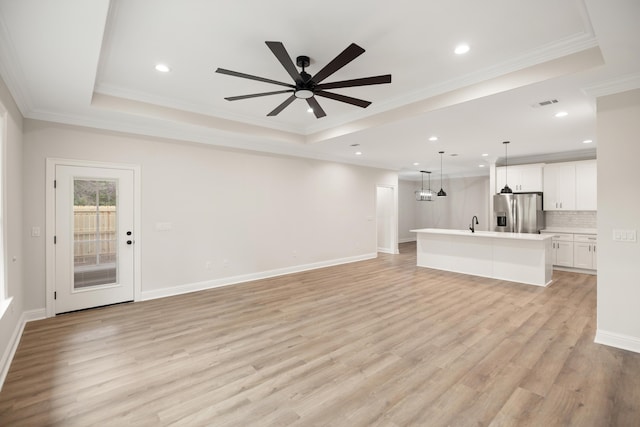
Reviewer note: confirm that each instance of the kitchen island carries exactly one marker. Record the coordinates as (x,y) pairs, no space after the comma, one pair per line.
(517,257)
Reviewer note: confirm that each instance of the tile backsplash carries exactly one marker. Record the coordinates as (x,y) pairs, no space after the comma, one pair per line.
(571,219)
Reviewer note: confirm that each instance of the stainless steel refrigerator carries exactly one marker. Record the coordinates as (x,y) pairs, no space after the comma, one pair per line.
(518,212)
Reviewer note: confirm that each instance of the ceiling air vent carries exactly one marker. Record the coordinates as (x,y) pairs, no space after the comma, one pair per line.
(545,103)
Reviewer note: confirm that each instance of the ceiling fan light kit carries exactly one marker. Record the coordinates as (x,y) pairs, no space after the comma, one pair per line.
(307,86)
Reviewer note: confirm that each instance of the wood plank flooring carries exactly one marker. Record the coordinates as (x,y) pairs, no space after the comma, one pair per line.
(374,343)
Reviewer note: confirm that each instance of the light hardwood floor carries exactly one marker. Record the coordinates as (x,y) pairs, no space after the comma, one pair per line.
(374,343)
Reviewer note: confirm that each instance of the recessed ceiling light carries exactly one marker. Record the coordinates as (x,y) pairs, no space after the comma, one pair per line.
(461,49)
(433,138)
(163,68)
(309,110)
(416,164)
(481,166)
(358,153)
(485,155)
(561,114)
(587,141)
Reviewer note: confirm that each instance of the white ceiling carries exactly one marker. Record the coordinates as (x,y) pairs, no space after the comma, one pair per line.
(92,63)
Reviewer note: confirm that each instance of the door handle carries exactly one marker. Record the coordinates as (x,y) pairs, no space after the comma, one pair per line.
(129,242)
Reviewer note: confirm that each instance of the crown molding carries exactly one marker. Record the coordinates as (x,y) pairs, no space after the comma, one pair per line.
(564,156)
(558,49)
(178,132)
(617,85)
(131,95)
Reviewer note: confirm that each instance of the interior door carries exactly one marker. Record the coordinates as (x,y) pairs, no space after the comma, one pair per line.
(94,237)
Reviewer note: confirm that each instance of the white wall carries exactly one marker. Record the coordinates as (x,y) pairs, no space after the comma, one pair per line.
(466,197)
(14,231)
(618,208)
(244,213)
(406,210)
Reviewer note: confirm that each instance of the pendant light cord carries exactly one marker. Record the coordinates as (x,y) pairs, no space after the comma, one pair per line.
(506,189)
(441,193)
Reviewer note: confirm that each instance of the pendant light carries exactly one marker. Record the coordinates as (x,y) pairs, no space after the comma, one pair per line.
(506,189)
(441,193)
(423,195)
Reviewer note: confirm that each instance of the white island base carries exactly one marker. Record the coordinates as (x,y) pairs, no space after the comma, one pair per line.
(517,257)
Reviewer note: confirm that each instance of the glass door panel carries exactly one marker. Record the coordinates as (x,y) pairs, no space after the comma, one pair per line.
(95,231)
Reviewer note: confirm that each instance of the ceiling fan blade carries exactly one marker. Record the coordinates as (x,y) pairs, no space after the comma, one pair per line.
(256,95)
(317,109)
(347,55)
(283,56)
(365,81)
(282,106)
(349,100)
(250,77)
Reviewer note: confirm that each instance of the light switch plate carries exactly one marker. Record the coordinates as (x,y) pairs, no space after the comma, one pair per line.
(625,236)
(163,226)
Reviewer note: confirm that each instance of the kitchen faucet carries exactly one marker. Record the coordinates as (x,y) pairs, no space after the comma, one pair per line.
(472,226)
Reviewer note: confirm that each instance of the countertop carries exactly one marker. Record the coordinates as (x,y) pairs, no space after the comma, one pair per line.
(485,234)
(570,230)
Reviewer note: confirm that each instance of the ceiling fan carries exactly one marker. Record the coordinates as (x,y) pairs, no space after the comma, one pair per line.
(307,86)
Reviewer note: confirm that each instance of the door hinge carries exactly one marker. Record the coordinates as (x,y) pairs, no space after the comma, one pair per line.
(55,240)
(55,183)
(55,295)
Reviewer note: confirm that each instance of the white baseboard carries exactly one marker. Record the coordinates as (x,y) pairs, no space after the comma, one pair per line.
(407,240)
(576,270)
(612,339)
(387,251)
(10,351)
(210,284)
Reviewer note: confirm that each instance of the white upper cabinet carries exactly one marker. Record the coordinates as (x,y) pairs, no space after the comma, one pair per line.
(571,186)
(586,186)
(560,187)
(521,178)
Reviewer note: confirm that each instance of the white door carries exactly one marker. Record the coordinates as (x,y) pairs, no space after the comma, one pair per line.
(385,219)
(94,237)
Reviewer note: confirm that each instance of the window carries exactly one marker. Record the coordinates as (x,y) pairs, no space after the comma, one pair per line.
(4,297)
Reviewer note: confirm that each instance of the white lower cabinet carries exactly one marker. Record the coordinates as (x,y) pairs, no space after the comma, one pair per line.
(585,252)
(574,250)
(564,254)
(562,246)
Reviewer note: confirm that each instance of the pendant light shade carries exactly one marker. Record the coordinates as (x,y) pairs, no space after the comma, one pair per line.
(506,189)
(423,195)
(441,193)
